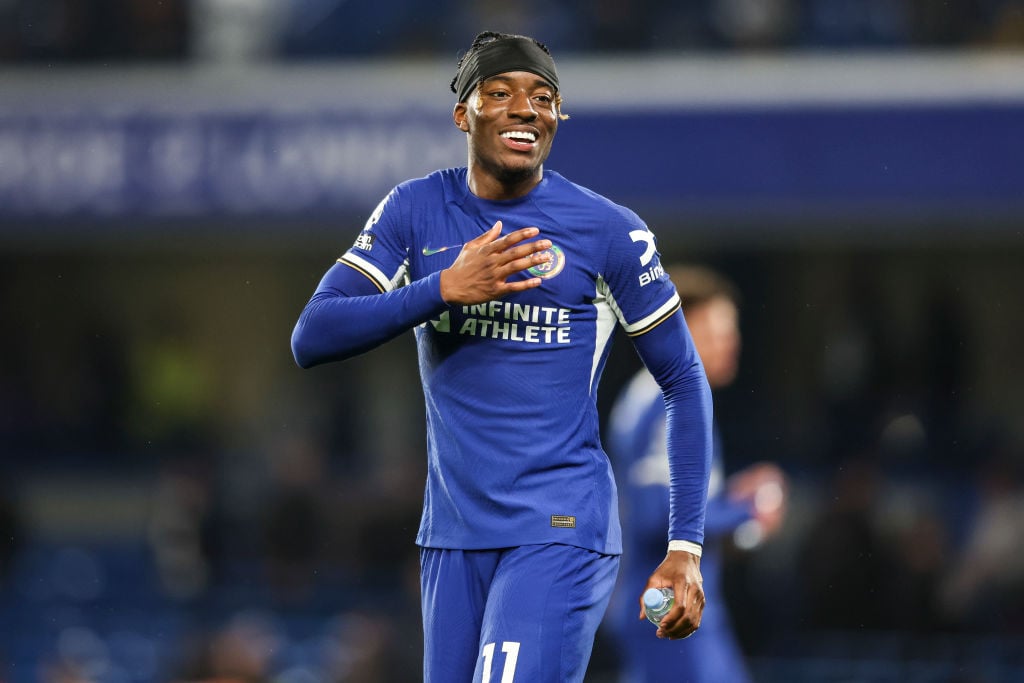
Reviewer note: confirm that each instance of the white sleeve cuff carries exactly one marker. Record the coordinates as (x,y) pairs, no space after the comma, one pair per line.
(688,546)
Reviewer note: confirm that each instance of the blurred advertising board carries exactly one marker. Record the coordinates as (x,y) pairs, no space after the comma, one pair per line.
(714,139)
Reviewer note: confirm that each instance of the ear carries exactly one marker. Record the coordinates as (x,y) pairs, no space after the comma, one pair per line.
(459,117)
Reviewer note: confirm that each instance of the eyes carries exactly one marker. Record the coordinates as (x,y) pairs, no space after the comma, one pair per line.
(543,98)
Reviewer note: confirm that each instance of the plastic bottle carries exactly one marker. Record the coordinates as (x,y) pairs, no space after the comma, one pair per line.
(657,603)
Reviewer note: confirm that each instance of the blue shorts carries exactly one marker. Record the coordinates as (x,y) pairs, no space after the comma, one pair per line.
(516,615)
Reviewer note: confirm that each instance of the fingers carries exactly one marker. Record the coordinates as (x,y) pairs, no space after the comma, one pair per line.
(482,270)
(490,236)
(510,248)
(498,243)
(515,237)
(684,627)
(526,256)
(685,617)
(518,259)
(509,256)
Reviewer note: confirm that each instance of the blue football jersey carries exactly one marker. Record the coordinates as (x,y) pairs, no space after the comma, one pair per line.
(510,386)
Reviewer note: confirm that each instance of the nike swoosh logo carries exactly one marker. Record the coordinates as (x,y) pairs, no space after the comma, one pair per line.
(430,251)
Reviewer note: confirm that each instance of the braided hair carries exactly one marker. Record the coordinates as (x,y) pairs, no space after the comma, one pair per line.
(485,37)
(493,50)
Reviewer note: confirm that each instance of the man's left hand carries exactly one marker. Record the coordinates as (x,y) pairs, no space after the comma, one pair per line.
(679,571)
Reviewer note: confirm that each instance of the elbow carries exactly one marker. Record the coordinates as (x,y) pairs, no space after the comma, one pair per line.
(690,379)
(304,355)
(303,361)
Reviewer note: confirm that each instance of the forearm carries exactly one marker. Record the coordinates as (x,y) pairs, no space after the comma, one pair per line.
(335,325)
(668,353)
(688,432)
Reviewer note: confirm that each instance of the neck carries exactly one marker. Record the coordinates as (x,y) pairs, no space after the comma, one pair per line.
(503,185)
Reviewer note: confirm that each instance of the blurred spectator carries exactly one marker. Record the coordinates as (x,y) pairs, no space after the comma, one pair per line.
(246,30)
(236,30)
(560,23)
(743,509)
(93,30)
(910,516)
(174,386)
(619,26)
(178,527)
(295,525)
(369,647)
(241,651)
(61,671)
(157,30)
(985,589)
(922,554)
(844,561)
(855,23)
(752,23)
(680,26)
(1007,24)
(64,387)
(332,28)
(95,383)
(951,22)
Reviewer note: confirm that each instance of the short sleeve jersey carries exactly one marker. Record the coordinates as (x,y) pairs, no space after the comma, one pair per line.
(510,386)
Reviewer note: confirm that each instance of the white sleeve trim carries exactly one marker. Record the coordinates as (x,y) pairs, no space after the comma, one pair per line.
(687,546)
(369,270)
(656,317)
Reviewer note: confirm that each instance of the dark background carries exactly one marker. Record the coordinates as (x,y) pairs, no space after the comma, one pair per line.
(178,501)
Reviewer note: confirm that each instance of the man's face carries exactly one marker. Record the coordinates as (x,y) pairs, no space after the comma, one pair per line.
(511,121)
(714,326)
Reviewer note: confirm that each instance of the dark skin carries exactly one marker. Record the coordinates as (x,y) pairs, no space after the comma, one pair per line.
(500,118)
(679,571)
(511,121)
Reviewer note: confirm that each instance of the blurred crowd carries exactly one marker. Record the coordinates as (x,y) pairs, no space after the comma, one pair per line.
(316,578)
(121,30)
(287,553)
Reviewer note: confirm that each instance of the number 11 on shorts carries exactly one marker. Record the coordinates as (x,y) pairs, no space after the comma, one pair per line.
(508,674)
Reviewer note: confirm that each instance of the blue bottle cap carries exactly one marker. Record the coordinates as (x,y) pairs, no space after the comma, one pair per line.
(653,598)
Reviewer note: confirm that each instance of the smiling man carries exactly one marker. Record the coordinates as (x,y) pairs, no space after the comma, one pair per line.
(514,279)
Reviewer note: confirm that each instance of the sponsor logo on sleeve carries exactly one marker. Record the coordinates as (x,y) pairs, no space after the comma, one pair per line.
(365,240)
(647,237)
(652,273)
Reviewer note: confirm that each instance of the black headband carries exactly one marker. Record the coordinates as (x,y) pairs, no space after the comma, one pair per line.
(515,53)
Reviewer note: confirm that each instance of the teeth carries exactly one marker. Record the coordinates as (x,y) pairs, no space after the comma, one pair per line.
(520,135)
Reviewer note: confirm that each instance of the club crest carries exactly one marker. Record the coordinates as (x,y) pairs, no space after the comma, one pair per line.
(550,268)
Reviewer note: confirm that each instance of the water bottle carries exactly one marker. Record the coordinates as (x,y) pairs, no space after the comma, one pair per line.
(657,603)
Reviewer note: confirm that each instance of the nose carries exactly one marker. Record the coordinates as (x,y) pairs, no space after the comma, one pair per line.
(522,107)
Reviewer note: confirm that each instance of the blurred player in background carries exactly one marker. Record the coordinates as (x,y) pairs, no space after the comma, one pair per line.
(514,278)
(750,504)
